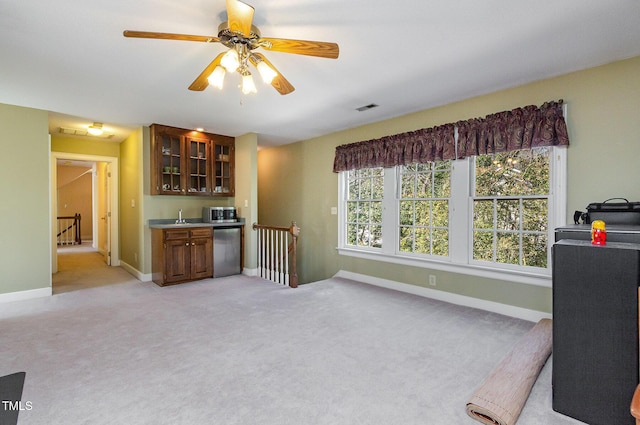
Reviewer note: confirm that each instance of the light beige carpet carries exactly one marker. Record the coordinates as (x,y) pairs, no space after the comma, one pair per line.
(242,350)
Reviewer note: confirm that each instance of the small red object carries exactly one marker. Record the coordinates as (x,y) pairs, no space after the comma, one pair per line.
(598,233)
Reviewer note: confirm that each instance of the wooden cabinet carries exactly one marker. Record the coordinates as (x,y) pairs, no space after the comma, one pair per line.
(182,255)
(186,162)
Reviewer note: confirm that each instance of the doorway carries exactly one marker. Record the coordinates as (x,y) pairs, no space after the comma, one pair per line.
(98,224)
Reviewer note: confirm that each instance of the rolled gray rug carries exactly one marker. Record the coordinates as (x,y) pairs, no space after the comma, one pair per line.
(502,395)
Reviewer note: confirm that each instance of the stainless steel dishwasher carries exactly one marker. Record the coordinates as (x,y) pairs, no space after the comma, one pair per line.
(226,251)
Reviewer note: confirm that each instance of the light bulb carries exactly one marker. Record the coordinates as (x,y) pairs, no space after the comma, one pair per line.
(230,60)
(95,129)
(217,77)
(248,86)
(266,72)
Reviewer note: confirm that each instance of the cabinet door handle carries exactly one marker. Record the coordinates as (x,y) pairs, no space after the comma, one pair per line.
(187,244)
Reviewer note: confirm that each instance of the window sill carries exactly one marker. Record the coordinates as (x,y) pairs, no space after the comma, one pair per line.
(537,279)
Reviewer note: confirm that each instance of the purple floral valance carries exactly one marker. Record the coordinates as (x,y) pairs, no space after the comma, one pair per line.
(420,146)
(521,128)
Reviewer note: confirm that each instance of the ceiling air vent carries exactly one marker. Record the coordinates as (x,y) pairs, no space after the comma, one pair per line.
(366,107)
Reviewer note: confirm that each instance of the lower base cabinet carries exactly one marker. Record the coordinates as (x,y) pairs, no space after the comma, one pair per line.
(595,330)
(181,255)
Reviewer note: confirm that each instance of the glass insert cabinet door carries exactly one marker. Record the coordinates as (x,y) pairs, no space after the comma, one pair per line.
(171,163)
(224,172)
(192,163)
(199,166)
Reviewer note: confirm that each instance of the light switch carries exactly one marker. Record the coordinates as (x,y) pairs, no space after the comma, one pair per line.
(133,203)
(334,210)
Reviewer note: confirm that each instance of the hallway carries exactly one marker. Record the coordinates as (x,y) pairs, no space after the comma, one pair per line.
(82,267)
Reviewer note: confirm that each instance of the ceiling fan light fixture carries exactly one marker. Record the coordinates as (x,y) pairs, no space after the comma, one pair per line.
(95,129)
(230,60)
(266,72)
(248,86)
(216,78)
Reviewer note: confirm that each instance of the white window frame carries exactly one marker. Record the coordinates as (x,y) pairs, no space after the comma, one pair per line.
(460,223)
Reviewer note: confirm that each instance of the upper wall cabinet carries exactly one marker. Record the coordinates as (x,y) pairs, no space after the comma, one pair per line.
(187,162)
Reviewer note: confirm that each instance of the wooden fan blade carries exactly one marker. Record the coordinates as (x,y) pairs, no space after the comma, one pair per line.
(201,82)
(169,36)
(240,17)
(279,82)
(303,47)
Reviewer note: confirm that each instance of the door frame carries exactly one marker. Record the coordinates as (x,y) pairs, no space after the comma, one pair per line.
(115,211)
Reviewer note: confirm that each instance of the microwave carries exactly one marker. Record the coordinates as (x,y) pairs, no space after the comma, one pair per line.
(219,215)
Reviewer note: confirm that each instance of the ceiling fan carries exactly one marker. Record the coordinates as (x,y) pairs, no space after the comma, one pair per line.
(242,38)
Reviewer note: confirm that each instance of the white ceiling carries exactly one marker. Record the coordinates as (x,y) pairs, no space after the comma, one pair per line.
(69,57)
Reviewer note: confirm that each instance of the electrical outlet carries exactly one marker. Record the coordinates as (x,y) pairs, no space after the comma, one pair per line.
(432,280)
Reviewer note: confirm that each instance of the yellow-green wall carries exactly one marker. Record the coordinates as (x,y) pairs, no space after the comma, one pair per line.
(132,246)
(296,181)
(62,143)
(25,248)
(246,199)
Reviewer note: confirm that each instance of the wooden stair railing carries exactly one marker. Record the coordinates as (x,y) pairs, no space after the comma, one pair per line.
(69,230)
(277,253)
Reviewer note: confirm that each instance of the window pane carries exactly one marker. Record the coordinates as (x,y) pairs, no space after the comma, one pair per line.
(406,239)
(508,215)
(351,211)
(376,212)
(440,244)
(483,214)
(352,232)
(508,248)
(517,173)
(440,213)
(424,185)
(365,212)
(408,186)
(376,236)
(483,246)
(534,250)
(354,187)
(535,213)
(365,189)
(406,213)
(442,184)
(423,213)
(377,187)
(423,241)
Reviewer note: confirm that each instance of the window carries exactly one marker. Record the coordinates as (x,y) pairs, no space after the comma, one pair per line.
(511,208)
(488,215)
(364,208)
(424,208)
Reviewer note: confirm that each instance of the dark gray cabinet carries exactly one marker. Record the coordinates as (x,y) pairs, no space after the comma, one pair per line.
(595,330)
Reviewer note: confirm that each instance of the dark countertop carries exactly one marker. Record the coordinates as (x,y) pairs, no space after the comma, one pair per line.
(192,222)
(613,228)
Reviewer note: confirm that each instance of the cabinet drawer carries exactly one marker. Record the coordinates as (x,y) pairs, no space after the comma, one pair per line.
(176,234)
(202,232)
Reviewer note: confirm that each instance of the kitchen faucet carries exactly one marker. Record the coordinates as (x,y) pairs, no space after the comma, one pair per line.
(180,220)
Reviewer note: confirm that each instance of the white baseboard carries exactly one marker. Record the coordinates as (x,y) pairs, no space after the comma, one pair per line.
(135,272)
(505,309)
(25,295)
